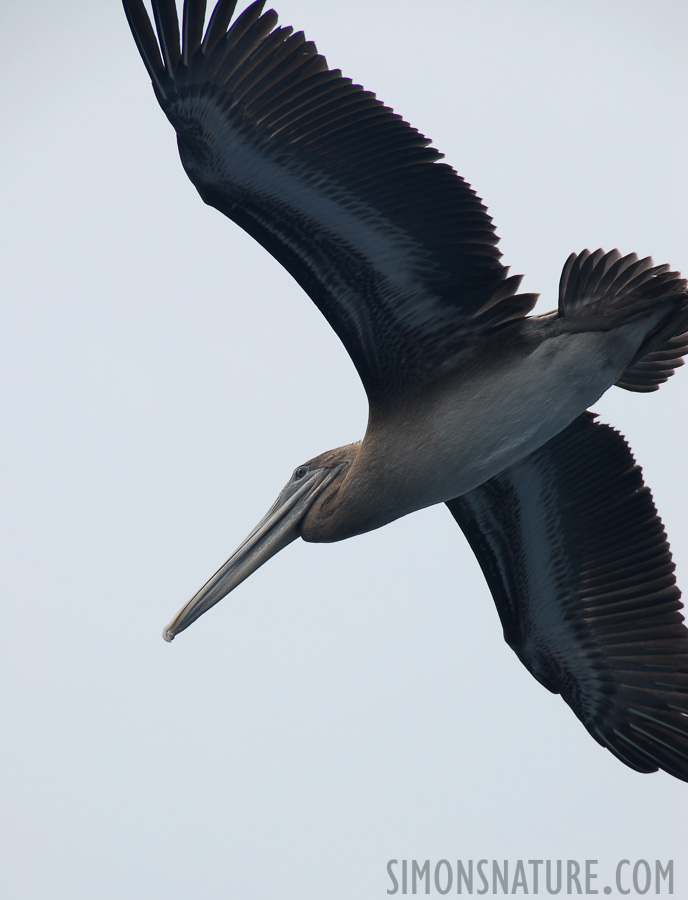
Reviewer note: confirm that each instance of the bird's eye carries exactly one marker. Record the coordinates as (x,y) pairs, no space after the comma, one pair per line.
(300,472)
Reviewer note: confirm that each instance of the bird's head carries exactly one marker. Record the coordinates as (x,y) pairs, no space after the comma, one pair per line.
(303,509)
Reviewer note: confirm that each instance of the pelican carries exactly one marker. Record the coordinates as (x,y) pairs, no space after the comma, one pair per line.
(472,402)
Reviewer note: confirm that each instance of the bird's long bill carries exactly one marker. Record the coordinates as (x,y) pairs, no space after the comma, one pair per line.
(279,527)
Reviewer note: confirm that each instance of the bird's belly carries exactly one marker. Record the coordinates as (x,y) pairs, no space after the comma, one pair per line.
(487,423)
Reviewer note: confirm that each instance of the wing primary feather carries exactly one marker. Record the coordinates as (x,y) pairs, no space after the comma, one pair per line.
(193,20)
(147,44)
(219,20)
(167,24)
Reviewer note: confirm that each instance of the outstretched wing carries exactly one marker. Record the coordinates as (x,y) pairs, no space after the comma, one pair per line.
(394,248)
(578,564)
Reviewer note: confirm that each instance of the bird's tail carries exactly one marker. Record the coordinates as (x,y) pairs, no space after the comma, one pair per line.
(619,289)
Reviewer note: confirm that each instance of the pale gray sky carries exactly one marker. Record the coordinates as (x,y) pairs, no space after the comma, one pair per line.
(349,703)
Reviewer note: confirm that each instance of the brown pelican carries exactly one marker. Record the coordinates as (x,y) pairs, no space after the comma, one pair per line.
(471,401)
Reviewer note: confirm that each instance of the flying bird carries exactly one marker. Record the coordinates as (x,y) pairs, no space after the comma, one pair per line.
(472,401)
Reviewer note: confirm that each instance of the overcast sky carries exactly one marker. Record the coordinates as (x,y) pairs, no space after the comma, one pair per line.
(162,377)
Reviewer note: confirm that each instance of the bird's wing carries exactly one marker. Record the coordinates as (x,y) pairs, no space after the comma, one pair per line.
(579,566)
(394,248)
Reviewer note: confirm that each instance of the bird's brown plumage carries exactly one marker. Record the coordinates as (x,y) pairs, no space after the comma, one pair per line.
(472,402)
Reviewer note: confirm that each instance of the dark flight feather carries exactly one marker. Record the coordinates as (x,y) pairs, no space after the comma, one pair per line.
(580,569)
(395,249)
